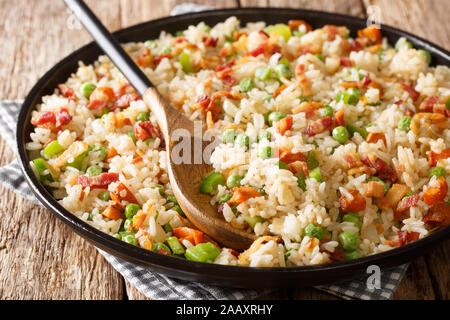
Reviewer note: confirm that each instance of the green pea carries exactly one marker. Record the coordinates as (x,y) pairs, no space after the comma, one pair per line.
(172,199)
(301,183)
(132,136)
(313,231)
(252,221)
(179,33)
(118,236)
(351,255)
(438,172)
(224,198)
(275,116)
(349,240)
(262,73)
(352,96)
(203,252)
(52,149)
(311,161)
(426,54)
(352,129)
(94,170)
(403,44)
(234,180)
(87,89)
(386,186)
(105,196)
(447,103)
(41,165)
(211,182)
(175,245)
(352,217)
(265,152)
(128,222)
(326,111)
(143,116)
(229,136)
(206,28)
(282,165)
(185,61)
(161,189)
(265,134)
(340,134)
(404,123)
(166,50)
(101,152)
(131,239)
(283,71)
(243,140)
(160,247)
(246,84)
(315,173)
(131,209)
(320,57)
(178,209)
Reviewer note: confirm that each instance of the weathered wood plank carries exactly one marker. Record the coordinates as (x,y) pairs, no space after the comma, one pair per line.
(41,258)
(438,262)
(352,7)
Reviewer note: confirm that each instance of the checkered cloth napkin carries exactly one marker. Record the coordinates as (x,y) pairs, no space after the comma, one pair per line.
(157,286)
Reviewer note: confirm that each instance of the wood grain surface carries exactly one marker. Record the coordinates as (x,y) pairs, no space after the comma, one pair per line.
(41,258)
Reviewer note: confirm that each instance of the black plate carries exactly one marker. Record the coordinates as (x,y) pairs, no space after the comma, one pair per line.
(194,271)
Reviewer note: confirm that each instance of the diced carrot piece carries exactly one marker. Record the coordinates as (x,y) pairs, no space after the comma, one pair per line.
(374,189)
(373,137)
(434,157)
(370,35)
(192,235)
(144,239)
(100,98)
(279,90)
(121,193)
(394,195)
(289,157)
(138,220)
(295,24)
(242,194)
(111,153)
(436,194)
(284,125)
(358,203)
(113,212)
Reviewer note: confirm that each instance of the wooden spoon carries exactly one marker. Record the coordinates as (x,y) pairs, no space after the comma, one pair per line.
(185,178)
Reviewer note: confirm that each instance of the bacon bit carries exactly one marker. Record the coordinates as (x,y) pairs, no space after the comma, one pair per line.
(373,137)
(436,194)
(288,157)
(346,62)
(101,181)
(63,117)
(111,154)
(43,118)
(298,166)
(210,41)
(226,65)
(350,84)
(438,216)
(113,212)
(355,46)
(192,235)
(358,203)
(67,92)
(121,193)
(137,160)
(145,57)
(159,58)
(279,90)
(242,194)
(339,118)
(308,107)
(284,125)
(229,80)
(146,129)
(100,98)
(337,255)
(428,103)
(234,253)
(409,112)
(125,100)
(398,102)
(299,70)
(405,204)
(394,195)
(264,34)
(374,189)
(295,24)
(353,160)
(370,35)
(434,158)
(382,168)
(332,31)
(144,239)
(265,48)
(318,126)
(411,91)
(441,109)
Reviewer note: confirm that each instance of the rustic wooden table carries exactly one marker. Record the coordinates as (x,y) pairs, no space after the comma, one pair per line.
(41,258)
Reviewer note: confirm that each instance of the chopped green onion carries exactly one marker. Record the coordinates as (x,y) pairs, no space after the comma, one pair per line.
(202,252)
(52,149)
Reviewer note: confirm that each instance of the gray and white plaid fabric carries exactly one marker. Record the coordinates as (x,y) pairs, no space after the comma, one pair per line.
(157,286)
